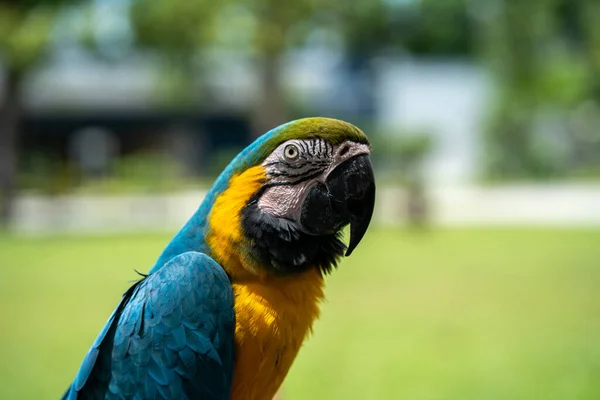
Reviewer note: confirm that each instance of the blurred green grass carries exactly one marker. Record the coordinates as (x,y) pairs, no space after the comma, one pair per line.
(441,314)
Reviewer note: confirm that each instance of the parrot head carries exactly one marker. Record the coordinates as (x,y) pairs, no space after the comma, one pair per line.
(317,179)
(281,204)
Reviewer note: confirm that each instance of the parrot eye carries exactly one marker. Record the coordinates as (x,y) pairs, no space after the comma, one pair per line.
(291,152)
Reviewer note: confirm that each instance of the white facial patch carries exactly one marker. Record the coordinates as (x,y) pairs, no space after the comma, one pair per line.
(283,201)
(291,174)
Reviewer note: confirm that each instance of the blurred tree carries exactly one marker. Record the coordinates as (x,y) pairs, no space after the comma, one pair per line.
(273,28)
(366,28)
(512,35)
(588,31)
(176,31)
(544,53)
(25,28)
(405,155)
(411,153)
(269,31)
(370,29)
(424,27)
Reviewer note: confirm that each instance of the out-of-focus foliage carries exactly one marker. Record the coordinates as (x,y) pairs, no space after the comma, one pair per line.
(403,153)
(176,31)
(180,31)
(419,27)
(219,161)
(545,56)
(405,156)
(176,27)
(23,35)
(25,30)
(148,173)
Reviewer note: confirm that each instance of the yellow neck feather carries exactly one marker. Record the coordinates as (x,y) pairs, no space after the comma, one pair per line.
(272,320)
(225,237)
(273,314)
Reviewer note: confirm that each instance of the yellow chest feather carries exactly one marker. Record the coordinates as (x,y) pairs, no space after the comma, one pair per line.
(272,321)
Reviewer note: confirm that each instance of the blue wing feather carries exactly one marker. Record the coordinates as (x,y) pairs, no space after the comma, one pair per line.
(170,337)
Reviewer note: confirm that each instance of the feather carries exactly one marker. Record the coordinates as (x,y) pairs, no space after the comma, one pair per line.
(159,334)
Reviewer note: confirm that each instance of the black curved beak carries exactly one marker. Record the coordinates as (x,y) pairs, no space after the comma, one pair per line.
(347,197)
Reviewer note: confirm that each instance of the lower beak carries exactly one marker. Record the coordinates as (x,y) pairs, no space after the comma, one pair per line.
(347,197)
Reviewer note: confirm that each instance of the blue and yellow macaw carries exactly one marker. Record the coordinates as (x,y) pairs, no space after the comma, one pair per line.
(225,309)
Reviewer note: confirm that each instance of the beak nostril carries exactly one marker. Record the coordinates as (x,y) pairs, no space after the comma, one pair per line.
(344,150)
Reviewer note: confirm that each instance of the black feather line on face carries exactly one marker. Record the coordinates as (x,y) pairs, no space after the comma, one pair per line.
(309,170)
(281,247)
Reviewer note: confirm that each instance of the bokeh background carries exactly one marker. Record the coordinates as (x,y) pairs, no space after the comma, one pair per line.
(480,276)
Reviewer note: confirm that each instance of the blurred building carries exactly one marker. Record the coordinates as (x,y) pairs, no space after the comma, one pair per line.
(75,93)
(447,99)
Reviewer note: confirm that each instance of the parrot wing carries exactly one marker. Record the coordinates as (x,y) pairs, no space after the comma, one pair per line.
(170,337)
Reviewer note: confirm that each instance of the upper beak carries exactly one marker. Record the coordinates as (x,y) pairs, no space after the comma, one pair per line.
(347,196)
(352,185)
